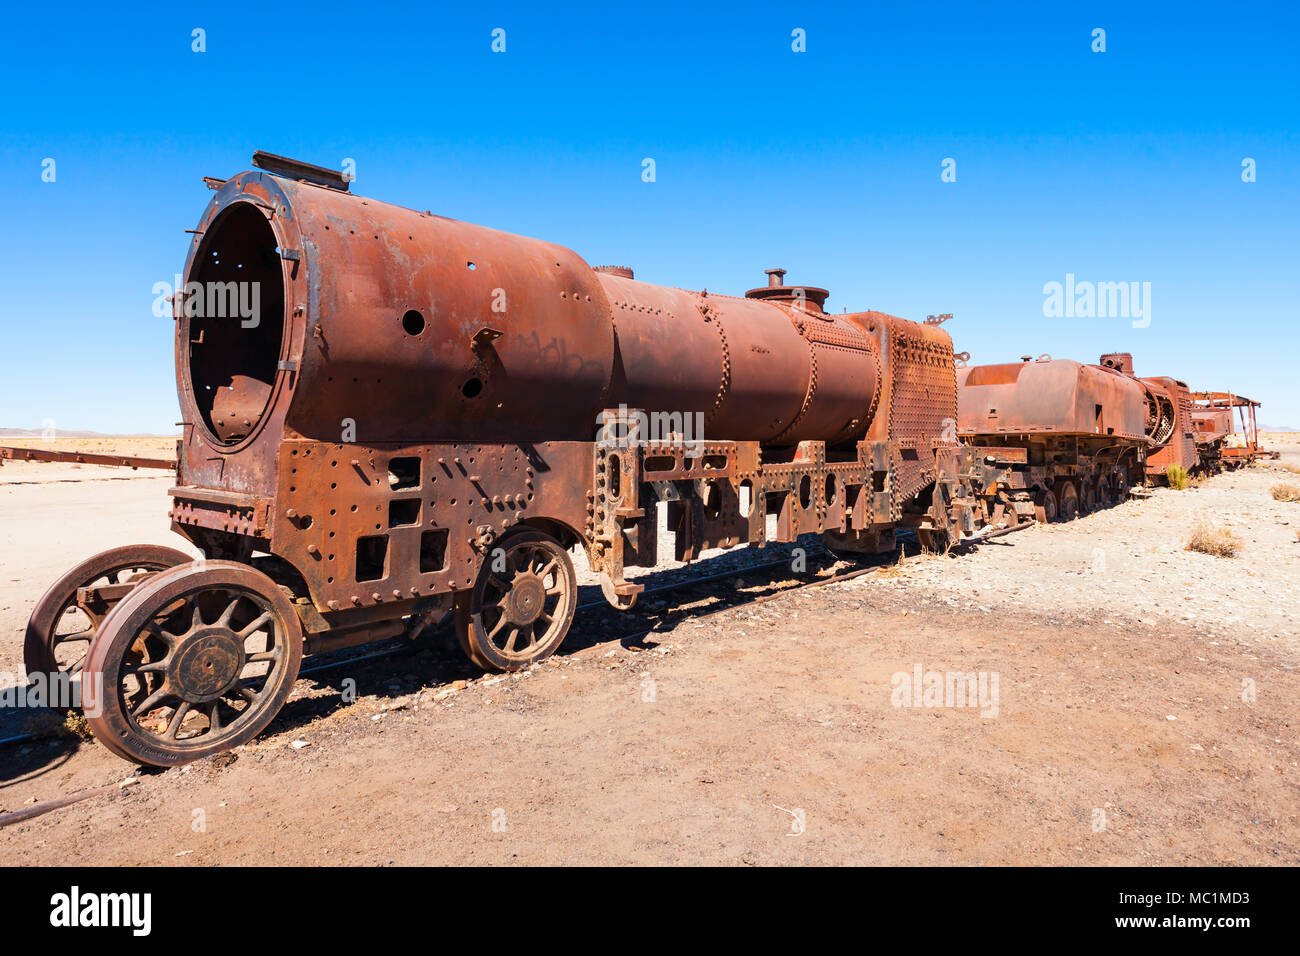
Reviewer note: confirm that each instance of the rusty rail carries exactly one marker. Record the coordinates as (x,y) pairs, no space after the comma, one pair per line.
(83,458)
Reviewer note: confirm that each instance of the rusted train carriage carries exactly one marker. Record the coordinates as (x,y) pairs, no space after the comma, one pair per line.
(1218,442)
(428,415)
(1071,437)
(1211,427)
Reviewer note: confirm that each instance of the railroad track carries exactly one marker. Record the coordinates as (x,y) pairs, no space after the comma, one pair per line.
(404,645)
(600,604)
(19,816)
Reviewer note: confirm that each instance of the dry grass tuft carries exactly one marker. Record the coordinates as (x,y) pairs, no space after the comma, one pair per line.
(1176,475)
(48,724)
(1209,538)
(895,570)
(1286,492)
(76,725)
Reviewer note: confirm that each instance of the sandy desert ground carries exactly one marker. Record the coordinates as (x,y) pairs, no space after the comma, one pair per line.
(1147,711)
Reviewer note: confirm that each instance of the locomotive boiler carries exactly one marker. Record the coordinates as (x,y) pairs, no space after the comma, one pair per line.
(425,416)
(1071,437)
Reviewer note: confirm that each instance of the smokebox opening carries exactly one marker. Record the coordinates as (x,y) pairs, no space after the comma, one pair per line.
(233,308)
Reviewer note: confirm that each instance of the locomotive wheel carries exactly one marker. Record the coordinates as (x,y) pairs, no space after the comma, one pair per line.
(1046,510)
(1067,500)
(222,646)
(518,615)
(1090,499)
(60,629)
(1115,490)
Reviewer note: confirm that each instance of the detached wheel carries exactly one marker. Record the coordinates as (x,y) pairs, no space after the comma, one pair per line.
(194,661)
(522,603)
(1067,500)
(61,627)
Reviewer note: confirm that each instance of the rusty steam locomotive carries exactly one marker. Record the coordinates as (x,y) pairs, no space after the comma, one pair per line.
(429,415)
(424,417)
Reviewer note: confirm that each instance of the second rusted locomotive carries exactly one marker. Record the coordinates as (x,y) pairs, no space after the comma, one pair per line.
(1071,437)
(428,415)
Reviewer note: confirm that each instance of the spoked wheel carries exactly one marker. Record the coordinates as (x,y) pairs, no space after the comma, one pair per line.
(1067,500)
(61,627)
(521,605)
(194,661)
(1045,509)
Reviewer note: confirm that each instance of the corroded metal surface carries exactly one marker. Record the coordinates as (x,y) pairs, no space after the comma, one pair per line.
(1217,431)
(1057,396)
(1071,437)
(1169,418)
(83,458)
(1180,448)
(418,388)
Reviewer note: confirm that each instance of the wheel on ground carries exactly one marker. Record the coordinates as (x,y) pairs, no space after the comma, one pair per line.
(1116,490)
(1045,509)
(196,660)
(61,627)
(1067,500)
(521,605)
(1090,497)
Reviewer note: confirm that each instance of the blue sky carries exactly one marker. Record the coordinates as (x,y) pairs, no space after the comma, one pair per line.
(1115,166)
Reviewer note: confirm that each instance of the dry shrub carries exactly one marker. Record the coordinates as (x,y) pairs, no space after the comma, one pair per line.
(76,725)
(894,570)
(1176,475)
(45,724)
(1209,538)
(1286,492)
